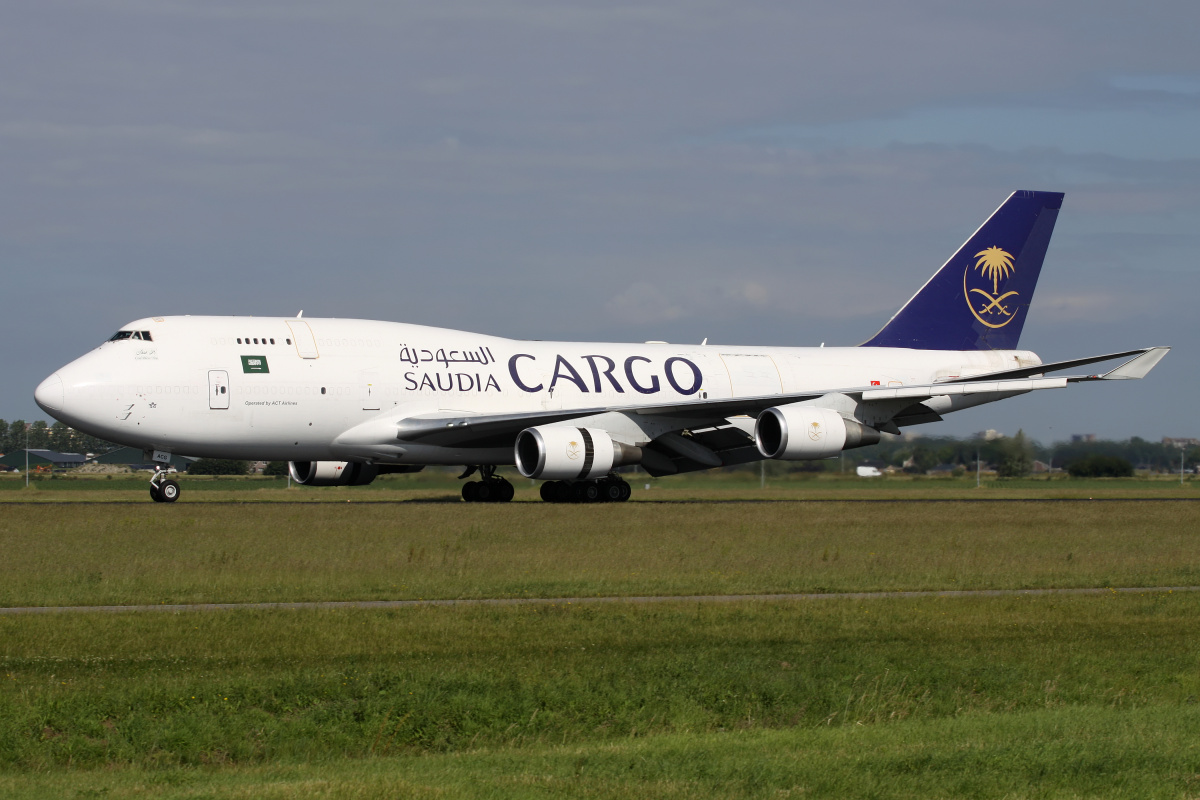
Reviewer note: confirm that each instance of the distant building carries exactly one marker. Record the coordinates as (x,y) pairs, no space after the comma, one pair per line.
(989,435)
(1083,437)
(42,459)
(1176,442)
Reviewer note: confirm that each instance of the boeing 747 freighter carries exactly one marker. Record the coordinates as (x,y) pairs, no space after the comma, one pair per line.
(347,400)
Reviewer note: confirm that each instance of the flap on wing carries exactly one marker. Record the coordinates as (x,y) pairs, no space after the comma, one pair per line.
(975,387)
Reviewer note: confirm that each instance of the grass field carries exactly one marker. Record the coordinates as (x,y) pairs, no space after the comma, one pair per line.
(1047,696)
(1029,697)
(199,552)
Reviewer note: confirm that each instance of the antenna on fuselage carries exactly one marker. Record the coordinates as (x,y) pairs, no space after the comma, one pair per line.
(301,314)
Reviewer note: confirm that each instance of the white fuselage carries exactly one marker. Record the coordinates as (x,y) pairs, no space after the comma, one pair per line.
(291,387)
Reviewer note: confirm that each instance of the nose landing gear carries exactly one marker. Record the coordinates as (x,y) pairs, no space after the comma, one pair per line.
(161,489)
(489,490)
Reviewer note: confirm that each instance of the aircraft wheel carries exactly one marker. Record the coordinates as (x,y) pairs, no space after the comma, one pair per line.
(612,492)
(591,493)
(548,491)
(505,493)
(154,494)
(470,491)
(168,492)
(485,492)
(626,491)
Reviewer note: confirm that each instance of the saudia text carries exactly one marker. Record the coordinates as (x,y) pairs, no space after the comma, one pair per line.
(590,374)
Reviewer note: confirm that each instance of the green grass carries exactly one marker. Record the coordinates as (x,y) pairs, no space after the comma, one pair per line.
(1052,753)
(96,555)
(1033,696)
(978,697)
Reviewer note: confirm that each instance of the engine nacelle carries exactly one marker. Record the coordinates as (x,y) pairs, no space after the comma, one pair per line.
(797,432)
(564,452)
(332,473)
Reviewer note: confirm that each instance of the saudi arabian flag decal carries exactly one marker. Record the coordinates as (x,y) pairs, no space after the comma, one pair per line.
(254,364)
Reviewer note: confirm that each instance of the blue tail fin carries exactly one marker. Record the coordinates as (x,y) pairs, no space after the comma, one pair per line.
(979,298)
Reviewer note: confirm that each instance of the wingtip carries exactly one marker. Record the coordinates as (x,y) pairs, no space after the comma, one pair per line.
(1138,367)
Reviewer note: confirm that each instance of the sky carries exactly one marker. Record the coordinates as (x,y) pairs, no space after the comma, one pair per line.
(774,173)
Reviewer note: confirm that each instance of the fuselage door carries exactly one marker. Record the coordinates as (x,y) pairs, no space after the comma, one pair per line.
(369,381)
(302,335)
(218,388)
(752,376)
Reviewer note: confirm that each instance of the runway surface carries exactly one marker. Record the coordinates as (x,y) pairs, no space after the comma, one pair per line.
(552,601)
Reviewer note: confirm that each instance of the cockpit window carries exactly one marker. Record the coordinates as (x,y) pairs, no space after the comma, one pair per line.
(140,335)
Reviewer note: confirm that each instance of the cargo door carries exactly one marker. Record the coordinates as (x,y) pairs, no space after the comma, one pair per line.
(751,375)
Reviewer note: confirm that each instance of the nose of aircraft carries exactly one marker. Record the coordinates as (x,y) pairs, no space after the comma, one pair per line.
(49,394)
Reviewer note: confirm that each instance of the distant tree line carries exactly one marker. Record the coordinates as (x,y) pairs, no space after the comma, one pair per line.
(218,466)
(58,437)
(1098,466)
(1015,455)
(1008,456)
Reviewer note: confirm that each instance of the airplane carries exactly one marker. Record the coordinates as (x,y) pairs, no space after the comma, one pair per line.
(344,401)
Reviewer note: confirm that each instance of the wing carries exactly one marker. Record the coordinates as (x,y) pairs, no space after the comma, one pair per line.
(500,430)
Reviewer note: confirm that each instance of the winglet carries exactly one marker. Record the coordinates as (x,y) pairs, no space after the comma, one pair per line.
(1137,368)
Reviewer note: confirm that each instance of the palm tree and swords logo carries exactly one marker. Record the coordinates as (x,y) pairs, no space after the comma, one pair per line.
(994,264)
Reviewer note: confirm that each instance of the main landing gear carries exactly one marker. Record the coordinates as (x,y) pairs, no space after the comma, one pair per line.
(161,489)
(610,489)
(489,490)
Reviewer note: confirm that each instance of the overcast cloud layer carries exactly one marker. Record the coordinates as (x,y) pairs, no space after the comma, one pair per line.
(751,172)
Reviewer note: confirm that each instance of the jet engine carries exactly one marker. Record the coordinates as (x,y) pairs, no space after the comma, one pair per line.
(797,432)
(564,452)
(332,473)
